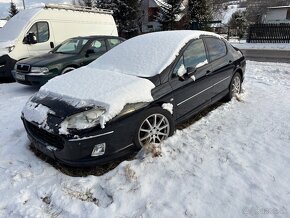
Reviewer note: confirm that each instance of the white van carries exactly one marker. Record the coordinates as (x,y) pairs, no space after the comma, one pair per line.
(36,31)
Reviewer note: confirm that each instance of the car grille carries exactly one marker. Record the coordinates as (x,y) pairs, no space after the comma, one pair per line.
(24,68)
(51,139)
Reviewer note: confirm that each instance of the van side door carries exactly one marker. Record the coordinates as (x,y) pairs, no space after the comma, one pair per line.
(44,39)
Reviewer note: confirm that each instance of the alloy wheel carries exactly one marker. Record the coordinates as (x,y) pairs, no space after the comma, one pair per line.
(236,86)
(154,129)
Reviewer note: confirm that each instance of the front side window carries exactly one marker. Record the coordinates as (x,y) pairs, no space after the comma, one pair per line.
(194,56)
(71,46)
(216,48)
(98,46)
(41,31)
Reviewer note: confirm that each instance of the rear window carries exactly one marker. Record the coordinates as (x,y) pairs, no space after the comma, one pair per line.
(216,48)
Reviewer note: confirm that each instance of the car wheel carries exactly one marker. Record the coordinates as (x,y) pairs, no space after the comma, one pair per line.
(155,126)
(67,69)
(235,87)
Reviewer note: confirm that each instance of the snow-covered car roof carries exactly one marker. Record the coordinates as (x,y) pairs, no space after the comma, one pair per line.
(146,55)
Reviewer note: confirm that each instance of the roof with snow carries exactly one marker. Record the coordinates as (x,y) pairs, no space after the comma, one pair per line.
(146,55)
(279,7)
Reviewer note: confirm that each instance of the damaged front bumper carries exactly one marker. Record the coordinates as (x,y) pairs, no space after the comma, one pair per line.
(78,151)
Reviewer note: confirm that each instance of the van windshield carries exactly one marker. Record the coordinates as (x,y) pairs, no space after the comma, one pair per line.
(71,46)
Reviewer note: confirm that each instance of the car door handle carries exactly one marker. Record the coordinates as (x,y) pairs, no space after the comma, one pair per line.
(51,44)
(230,61)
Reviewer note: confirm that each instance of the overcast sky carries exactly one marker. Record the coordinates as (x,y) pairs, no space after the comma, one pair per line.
(5,4)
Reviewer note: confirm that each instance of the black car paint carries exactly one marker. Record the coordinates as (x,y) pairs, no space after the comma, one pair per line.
(119,132)
(6,65)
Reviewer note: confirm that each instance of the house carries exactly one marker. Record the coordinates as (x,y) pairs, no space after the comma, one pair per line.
(280,14)
(2,22)
(150,9)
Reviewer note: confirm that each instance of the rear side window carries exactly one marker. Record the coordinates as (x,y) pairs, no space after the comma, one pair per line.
(114,42)
(41,31)
(216,48)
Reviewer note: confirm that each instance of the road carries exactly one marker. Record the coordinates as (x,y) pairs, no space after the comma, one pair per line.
(264,55)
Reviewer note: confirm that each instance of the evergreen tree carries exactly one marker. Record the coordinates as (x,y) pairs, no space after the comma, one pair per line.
(84,3)
(238,21)
(127,14)
(169,13)
(199,12)
(13,9)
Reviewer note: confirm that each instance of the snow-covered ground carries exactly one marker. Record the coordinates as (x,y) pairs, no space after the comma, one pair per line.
(231,163)
(226,14)
(266,46)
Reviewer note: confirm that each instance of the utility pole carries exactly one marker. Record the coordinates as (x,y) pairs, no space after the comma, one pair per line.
(23,4)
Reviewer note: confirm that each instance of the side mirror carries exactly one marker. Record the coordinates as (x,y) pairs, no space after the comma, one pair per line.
(190,71)
(187,74)
(30,38)
(89,52)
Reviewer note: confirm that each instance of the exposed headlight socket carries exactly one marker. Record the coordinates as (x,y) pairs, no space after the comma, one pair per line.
(99,150)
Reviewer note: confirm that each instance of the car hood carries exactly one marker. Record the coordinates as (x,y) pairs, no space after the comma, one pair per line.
(89,87)
(46,59)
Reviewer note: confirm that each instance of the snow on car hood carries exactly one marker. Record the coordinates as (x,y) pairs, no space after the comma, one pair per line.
(147,55)
(14,27)
(87,86)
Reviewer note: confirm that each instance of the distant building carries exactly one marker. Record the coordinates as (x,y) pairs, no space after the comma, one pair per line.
(2,22)
(280,14)
(150,9)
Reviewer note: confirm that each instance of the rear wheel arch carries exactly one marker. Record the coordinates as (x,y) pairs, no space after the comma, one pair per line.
(240,72)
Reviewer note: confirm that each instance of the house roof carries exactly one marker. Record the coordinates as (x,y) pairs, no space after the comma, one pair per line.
(279,7)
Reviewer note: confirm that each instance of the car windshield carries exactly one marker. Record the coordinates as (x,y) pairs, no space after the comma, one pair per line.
(71,46)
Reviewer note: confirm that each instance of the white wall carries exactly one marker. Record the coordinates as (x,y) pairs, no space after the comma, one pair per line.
(277,16)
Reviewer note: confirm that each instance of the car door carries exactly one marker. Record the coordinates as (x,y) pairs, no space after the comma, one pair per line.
(192,92)
(95,49)
(44,39)
(222,65)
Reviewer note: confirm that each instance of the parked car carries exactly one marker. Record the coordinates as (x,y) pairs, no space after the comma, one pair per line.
(36,31)
(69,55)
(133,95)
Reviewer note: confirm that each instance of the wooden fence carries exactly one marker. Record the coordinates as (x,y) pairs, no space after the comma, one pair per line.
(273,33)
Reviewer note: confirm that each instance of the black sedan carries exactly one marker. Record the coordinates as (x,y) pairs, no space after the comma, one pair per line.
(69,55)
(133,95)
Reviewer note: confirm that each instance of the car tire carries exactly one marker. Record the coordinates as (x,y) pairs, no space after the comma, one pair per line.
(235,86)
(154,126)
(67,69)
